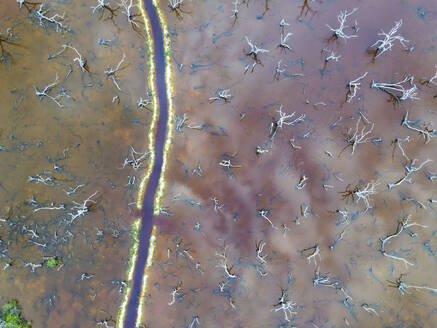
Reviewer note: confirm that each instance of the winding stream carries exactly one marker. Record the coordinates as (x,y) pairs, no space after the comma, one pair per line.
(152,184)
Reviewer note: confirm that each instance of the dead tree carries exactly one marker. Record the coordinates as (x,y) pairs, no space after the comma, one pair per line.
(282,24)
(278,71)
(175,293)
(389,38)
(223,94)
(399,91)
(403,287)
(285,305)
(254,52)
(359,136)
(340,32)
(284,119)
(424,129)
(111,72)
(82,209)
(332,56)
(41,15)
(135,159)
(311,253)
(45,92)
(410,168)
(104,6)
(176,7)
(403,225)
(134,18)
(236,3)
(263,213)
(224,263)
(353,86)
(283,44)
(360,192)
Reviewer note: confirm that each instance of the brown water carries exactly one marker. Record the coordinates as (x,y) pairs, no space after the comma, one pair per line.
(212,52)
(88,139)
(97,133)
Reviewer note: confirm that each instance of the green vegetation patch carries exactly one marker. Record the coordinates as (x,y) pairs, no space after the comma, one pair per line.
(10,316)
(54,261)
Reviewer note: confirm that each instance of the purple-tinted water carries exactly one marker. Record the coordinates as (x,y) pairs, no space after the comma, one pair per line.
(149,195)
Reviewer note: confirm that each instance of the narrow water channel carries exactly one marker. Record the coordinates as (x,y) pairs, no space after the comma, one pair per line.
(152,184)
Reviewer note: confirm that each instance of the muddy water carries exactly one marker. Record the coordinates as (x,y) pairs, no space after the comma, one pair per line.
(85,144)
(195,281)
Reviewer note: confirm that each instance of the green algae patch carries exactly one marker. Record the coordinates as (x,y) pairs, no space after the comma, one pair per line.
(54,262)
(10,316)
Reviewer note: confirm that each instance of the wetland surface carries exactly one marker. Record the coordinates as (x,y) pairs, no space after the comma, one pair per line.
(321,218)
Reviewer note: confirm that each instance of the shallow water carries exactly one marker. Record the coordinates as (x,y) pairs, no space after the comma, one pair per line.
(189,250)
(190,243)
(83,143)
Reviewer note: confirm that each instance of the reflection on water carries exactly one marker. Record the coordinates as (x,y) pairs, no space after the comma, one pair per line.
(73,127)
(324,218)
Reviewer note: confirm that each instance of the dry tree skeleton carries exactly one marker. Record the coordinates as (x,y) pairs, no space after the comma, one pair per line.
(222,95)
(259,249)
(353,86)
(73,190)
(360,192)
(45,92)
(359,136)
(403,287)
(44,20)
(403,225)
(217,205)
(81,61)
(180,122)
(311,253)
(278,70)
(325,280)
(224,263)
(332,55)
(282,24)
(410,168)
(285,305)
(236,3)
(144,103)
(175,293)
(284,119)
(398,142)
(283,44)
(389,38)
(339,32)
(82,209)
(132,17)
(399,91)
(111,72)
(254,52)
(227,164)
(302,182)
(425,129)
(263,213)
(102,6)
(175,6)
(134,161)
